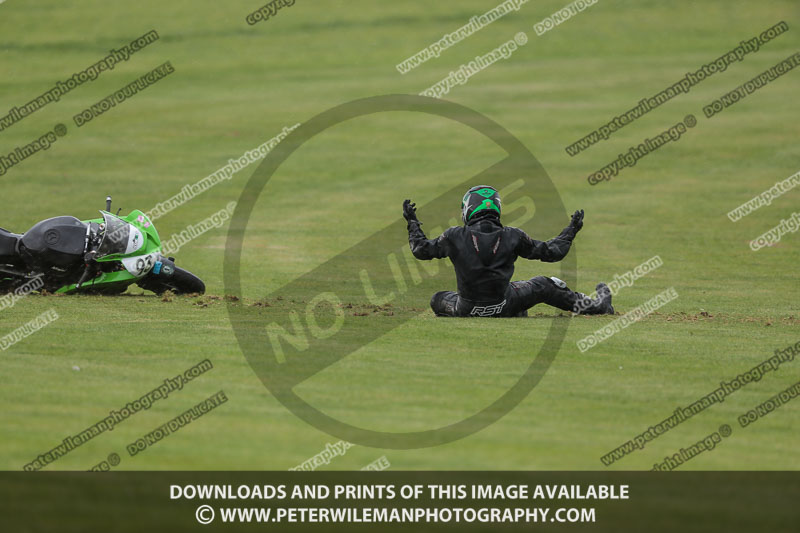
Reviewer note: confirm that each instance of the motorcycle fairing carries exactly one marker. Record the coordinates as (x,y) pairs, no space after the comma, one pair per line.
(131,240)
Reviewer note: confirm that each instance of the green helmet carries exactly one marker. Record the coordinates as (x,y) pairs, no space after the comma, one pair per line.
(482,200)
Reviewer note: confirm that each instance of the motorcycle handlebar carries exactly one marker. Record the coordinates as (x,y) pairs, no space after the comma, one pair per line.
(88,258)
(84,277)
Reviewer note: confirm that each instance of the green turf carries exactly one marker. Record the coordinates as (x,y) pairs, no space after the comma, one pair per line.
(236,86)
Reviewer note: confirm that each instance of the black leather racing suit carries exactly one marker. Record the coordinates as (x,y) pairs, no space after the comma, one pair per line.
(483,254)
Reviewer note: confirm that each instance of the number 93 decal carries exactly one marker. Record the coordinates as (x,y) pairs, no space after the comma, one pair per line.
(141,265)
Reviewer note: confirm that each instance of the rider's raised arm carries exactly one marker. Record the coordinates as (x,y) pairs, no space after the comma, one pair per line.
(553,250)
(421,246)
(424,248)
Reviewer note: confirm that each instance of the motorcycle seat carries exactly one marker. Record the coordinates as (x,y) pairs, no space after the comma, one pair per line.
(56,241)
(8,243)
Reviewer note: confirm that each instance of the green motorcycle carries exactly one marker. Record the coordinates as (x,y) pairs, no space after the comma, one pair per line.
(103,255)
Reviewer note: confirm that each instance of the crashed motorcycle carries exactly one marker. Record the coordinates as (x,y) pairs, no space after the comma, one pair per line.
(103,255)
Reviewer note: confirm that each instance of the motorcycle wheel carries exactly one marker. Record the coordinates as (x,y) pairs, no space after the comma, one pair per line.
(181,282)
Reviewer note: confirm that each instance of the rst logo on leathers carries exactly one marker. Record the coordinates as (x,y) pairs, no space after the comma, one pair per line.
(488,310)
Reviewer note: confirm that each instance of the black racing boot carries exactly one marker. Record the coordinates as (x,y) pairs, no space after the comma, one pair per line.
(604,296)
(599,306)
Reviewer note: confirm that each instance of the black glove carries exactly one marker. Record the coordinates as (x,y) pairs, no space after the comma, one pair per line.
(577,221)
(410,211)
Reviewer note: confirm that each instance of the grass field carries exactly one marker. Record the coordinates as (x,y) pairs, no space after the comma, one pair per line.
(235,86)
